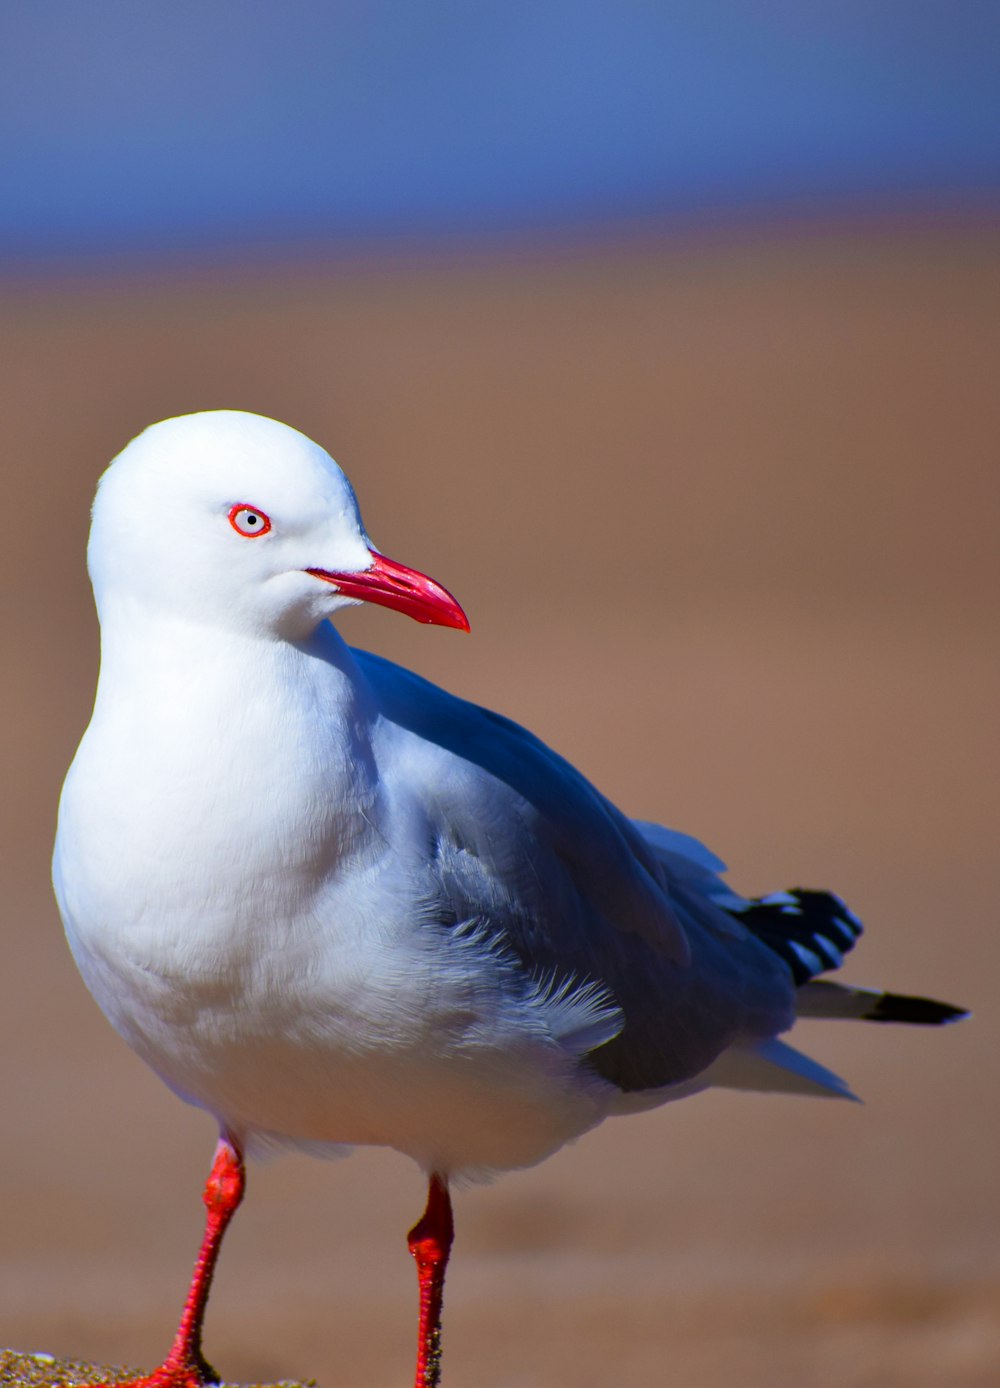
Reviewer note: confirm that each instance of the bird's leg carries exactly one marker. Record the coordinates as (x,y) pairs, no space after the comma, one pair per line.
(430,1242)
(185,1366)
(222,1196)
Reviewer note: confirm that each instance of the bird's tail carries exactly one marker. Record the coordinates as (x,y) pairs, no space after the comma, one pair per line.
(773,1067)
(821,998)
(811,932)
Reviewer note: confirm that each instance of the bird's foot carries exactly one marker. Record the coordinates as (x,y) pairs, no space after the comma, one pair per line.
(172,1373)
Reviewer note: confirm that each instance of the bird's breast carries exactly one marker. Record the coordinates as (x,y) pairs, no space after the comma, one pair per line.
(202,823)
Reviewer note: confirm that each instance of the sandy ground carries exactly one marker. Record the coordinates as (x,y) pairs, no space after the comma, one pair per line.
(724,515)
(44,1370)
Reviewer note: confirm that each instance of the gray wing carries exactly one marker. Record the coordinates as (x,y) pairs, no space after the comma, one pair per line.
(562,880)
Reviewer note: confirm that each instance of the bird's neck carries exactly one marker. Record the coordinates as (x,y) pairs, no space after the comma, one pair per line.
(164,656)
(190,695)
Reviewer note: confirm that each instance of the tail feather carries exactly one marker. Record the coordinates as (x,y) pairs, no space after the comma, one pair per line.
(922,1012)
(833,1000)
(773,1067)
(812,931)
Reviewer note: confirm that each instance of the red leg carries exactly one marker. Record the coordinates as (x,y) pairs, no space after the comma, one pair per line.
(185,1366)
(430,1243)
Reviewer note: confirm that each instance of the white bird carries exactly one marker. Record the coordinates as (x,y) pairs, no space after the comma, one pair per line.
(331,904)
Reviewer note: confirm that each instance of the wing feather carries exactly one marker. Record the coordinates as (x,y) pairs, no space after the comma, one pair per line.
(576,891)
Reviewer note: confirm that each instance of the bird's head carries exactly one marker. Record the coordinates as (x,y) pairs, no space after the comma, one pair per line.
(231,518)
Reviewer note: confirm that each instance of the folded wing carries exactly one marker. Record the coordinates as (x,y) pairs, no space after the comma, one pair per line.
(551,872)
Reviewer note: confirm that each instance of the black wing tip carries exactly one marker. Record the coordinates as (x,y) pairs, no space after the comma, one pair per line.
(921,1012)
(810,930)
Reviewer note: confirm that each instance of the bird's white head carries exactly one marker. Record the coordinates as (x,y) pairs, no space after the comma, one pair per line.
(233,519)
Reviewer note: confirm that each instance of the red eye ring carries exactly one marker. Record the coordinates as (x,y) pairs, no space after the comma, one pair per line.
(249,521)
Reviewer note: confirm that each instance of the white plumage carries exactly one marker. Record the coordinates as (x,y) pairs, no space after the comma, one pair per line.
(330,903)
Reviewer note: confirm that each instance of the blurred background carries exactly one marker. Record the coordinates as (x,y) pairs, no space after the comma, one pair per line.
(666,336)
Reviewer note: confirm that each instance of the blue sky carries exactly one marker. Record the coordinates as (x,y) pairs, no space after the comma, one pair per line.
(155,127)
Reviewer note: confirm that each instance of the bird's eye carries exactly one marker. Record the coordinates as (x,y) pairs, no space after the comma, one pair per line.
(249,521)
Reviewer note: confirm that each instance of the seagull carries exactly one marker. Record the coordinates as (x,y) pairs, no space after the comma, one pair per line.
(333,905)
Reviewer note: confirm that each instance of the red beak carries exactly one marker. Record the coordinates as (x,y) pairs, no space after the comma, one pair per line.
(407,590)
